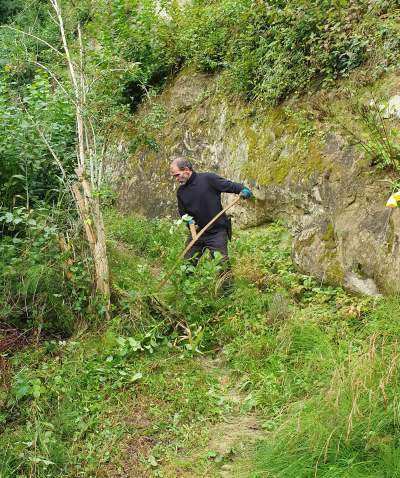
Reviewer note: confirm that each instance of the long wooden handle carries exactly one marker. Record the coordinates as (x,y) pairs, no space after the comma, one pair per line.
(193,231)
(202,231)
(195,239)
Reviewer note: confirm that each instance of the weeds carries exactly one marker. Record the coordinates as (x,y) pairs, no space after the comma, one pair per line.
(377,135)
(319,367)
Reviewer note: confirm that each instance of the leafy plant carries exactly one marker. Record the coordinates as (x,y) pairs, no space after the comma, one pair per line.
(269,52)
(381,139)
(28,172)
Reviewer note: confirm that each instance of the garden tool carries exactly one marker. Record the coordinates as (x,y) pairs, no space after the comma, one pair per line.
(192,225)
(195,239)
(193,230)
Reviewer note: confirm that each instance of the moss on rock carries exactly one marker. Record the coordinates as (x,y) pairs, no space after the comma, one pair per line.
(278,152)
(335,273)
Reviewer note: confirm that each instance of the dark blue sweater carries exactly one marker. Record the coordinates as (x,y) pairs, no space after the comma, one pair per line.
(200,197)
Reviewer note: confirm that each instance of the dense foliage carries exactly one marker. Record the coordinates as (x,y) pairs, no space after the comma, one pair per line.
(8,8)
(270,50)
(319,366)
(267,50)
(34,207)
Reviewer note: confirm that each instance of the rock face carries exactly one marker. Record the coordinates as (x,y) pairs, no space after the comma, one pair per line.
(298,165)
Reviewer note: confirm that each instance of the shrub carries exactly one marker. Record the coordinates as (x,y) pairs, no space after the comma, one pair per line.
(42,287)
(269,51)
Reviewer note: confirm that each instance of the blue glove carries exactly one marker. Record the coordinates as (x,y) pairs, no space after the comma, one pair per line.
(246,193)
(187,219)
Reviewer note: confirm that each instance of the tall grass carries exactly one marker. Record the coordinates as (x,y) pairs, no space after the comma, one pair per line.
(350,426)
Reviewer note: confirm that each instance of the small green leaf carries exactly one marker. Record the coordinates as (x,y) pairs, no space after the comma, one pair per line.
(152,461)
(135,345)
(136,377)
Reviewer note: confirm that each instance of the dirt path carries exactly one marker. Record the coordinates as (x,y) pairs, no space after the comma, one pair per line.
(232,438)
(211,448)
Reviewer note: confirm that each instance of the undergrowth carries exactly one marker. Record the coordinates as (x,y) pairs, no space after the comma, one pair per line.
(266,50)
(318,366)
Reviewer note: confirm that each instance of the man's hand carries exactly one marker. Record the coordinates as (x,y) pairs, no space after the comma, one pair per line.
(187,219)
(245,193)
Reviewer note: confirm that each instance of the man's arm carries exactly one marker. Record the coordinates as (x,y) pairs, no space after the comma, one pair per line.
(224,185)
(181,208)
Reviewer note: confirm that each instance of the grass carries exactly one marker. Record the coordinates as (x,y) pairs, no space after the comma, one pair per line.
(319,367)
(63,414)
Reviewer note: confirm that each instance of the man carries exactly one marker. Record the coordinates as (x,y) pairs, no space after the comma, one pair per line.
(199,196)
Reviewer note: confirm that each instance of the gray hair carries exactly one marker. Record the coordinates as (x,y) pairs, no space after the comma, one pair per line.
(182,163)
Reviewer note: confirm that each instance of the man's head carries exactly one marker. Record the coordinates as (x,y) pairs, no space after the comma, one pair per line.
(181,170)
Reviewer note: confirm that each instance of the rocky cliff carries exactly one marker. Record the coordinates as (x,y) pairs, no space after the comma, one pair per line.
(300,161)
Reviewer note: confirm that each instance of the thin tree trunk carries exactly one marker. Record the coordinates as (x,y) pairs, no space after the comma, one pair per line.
(87,205)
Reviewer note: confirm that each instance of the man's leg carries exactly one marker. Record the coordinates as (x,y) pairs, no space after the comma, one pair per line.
(218,242)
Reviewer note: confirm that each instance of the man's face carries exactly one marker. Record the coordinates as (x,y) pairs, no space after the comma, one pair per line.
(180,175)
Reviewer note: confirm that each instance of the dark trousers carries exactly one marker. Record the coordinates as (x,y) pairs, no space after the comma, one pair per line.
(213,241)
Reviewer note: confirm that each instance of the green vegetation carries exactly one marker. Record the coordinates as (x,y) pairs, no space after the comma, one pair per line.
(375,132)
(317,366)
(270,51)
(314,367)
(267,51)
(349,427)
(35,209)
